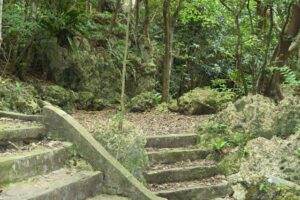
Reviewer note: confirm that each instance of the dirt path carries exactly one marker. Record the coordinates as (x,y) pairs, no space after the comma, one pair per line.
(152,123)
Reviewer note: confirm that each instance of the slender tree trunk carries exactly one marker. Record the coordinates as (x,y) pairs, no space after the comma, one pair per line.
(282,52)
(114,19)
(169,24)
(238,47)
(167,62)
(137,15)
(148,45)
(238,53)
(125,59)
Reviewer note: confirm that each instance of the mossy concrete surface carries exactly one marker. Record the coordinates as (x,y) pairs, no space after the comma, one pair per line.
(172,141)
(20,116)
(166,156)
(22,133)
(61,184)
(42,160)
(117,179)
(198,192)
(181,174)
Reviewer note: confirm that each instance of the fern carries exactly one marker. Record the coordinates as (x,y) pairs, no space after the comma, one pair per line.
(290,77)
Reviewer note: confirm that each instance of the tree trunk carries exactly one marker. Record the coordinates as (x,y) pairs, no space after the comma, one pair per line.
(125,60)
(114,19)
(1,9)
(282,52)
(169,24)
(148,44)
(238,53)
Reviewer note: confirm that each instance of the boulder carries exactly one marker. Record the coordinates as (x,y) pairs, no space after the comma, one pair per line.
(287,116)
(247,118)
(18,97)
(202,101)
(85,100)
(143,102)
(60,96)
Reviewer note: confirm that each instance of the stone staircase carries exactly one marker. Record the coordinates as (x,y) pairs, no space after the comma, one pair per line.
(179,170)
(34,167)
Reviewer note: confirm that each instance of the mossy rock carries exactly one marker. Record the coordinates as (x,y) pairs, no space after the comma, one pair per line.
(99,104)
(266,191)
(85,100)
(230,164)
(173,106)
(204,101)
(60,96)
(287,116)
(143,102)
(19,97)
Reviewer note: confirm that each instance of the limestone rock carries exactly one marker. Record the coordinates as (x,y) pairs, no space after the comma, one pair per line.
(143,102)
(287,116)
(60,96)
(204,101)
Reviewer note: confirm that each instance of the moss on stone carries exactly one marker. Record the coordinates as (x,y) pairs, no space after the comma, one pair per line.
(230,164)
(60,96)
(266,191)
(143,102)
(204,101)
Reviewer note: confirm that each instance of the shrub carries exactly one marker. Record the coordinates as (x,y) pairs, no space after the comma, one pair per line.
(126,144)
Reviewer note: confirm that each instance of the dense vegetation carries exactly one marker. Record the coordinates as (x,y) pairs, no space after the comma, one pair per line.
(244,46)
(188,56)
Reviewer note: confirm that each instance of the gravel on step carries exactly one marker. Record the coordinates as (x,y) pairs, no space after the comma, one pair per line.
(12,148)
(7,123)
(175,185)
(152,123)
(182,164)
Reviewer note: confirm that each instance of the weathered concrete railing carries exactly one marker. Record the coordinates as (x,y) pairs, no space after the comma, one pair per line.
(117,178)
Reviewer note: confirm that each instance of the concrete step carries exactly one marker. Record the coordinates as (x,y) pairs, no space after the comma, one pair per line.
(108,197)
(173,155)
(66,184)
(42,159)
(22,132)
(180,174)
(172,141)
(197,192)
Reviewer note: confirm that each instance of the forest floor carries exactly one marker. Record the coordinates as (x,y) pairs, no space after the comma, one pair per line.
(152,123)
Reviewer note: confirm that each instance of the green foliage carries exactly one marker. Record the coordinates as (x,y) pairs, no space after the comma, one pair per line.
(126,144)
(219,144)
(290,77)
(220,85)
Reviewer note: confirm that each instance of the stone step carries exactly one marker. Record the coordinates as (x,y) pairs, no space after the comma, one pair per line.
(180,174)
(42,159)
(165,156)
(20,116)
(66,184)
(108,197)
(22,132)
(197,192)
(172,141)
